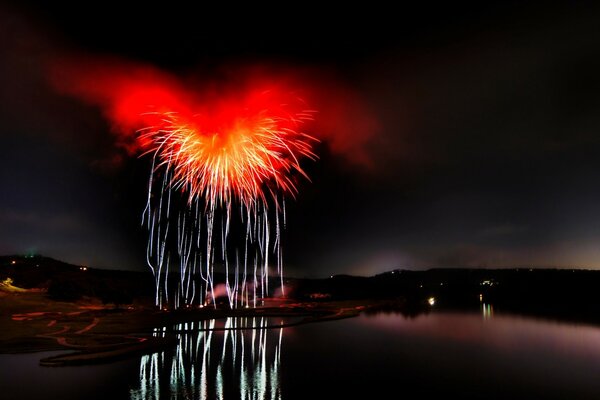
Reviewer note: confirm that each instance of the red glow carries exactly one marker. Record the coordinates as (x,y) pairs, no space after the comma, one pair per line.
(220,141)
(218,147)
(126,92)
(233,148)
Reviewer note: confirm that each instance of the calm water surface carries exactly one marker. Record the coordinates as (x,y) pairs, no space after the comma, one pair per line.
(471,355)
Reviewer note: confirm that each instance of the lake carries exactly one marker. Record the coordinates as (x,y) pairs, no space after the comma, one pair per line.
(467,354)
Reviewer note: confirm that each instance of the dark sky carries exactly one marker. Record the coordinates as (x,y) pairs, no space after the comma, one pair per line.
(487,152)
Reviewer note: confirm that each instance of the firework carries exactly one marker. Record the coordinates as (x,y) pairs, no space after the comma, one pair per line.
(224,158)
(230,159)
(229,166)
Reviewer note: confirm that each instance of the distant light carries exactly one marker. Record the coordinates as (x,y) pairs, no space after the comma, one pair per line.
(83,268)
(488,310)
(13,262)
(480,297)
(431,301)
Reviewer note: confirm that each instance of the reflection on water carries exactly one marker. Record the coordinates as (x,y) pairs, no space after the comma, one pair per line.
(439,355)
(238,358)
(487,310)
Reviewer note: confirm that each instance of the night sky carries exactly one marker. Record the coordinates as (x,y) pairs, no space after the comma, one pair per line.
(486,151)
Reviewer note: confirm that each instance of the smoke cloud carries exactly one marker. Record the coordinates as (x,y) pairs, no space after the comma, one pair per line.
(132,95)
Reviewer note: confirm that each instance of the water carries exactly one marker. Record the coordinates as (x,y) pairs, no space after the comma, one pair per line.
(470,355)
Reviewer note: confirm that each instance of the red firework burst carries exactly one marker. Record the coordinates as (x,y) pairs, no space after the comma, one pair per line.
(235,151)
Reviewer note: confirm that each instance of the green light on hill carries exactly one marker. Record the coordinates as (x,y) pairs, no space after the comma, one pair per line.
(31,253)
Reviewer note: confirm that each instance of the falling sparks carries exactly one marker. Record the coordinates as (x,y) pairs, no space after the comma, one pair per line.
(225,155)
(229,169)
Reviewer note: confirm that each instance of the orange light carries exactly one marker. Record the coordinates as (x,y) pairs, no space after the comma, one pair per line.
(233,152)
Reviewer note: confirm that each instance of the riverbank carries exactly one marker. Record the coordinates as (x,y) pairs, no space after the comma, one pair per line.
(92,332)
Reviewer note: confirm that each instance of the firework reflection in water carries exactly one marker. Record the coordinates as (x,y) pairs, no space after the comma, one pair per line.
(240,359)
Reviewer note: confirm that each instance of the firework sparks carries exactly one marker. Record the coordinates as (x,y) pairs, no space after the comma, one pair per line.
(224,159)
(233,163)
(231,166)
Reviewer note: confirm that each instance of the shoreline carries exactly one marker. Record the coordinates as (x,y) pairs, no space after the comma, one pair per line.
(90,333)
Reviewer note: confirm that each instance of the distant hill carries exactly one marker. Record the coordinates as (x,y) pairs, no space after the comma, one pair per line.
(564,293)
(570,294)
(64,281)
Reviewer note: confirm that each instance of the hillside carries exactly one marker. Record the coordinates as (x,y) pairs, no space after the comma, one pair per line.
(561,293)
(68,282)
